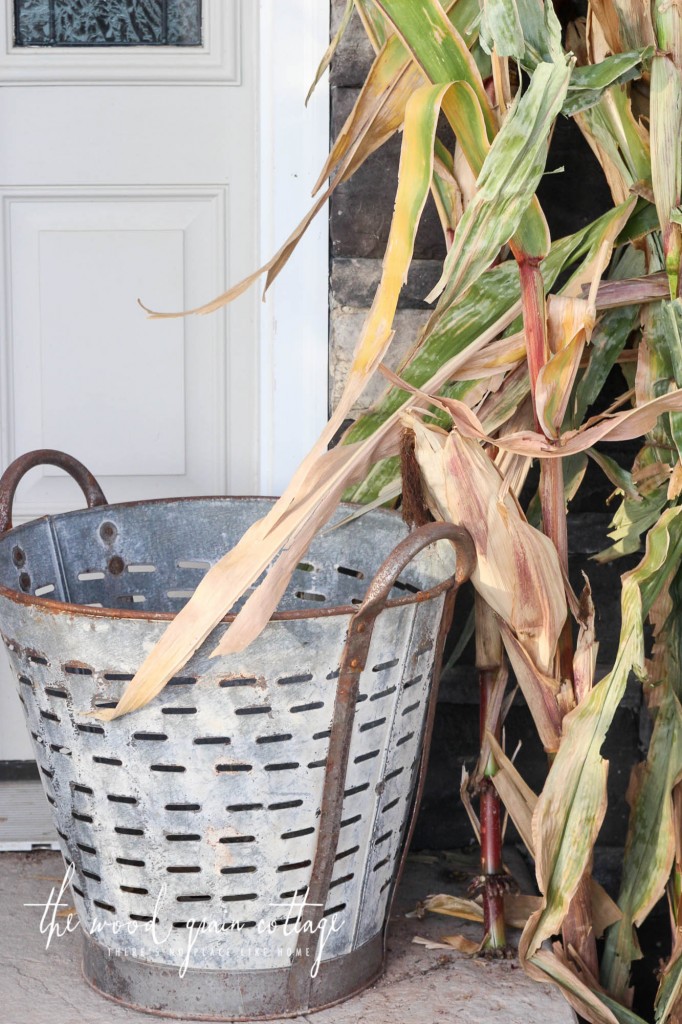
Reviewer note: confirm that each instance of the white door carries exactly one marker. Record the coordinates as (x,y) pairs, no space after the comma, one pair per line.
(129,167)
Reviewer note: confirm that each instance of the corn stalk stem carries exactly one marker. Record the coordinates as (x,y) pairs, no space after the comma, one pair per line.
(577,930)
(489,661)
(534,320)
(492,868)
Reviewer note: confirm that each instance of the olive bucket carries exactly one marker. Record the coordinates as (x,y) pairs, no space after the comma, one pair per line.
(234,846)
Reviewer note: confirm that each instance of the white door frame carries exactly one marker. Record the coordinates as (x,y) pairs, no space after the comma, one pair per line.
(294,320)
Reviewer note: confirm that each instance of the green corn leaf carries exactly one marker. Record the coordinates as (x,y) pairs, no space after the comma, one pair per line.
(631,521)
(589,82)
(608,339)
(670,990)
(650,845)
(666,158)
(668,30)
(642,222)
(623,1014)
(376,27)
(624,145)
(437,47)
(521,29)
(619,477)
(508,179)
(491,300)
(526,29)
(502,29)
(572,803)
(440,51)
(491,304)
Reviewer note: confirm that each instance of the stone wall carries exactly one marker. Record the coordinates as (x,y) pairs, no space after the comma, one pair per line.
(359,222)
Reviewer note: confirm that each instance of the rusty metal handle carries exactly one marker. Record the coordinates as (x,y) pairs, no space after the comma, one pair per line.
(402,555)
(352,663)
(45,456)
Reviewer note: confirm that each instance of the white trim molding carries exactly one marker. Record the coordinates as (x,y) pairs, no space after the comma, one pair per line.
(294,321)
(217,61)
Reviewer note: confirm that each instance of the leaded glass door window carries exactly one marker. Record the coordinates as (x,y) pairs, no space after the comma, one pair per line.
(56,23)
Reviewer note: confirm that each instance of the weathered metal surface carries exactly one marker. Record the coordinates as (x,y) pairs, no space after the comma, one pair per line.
(221,995)
(203,819)
(354,660)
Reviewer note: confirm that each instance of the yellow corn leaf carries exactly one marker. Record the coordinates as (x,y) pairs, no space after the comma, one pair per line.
(517,570)
(377,115)
(380,107)
(378,111)
(570,322)
(453,906)
(542,691)
(331,49)
(439,49)
(518,908)
(571,807)
(289,521)
(464,945)
(518,798)
(414,180)
(605,15)
(622,426)
(419,940)
(549,966)
(556,378)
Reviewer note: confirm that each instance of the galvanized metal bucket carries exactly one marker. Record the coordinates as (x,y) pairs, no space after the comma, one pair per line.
(235,845)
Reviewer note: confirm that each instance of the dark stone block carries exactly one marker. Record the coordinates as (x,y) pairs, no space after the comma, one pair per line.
(606,589)
(342,102)
(362,207)
(621,750)
(354,282)
(354,54)
(566,206)
(443,822)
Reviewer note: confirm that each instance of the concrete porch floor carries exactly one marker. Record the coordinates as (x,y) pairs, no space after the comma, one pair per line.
(39,986)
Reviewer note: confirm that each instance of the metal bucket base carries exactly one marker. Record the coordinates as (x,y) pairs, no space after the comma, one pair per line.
(225,995)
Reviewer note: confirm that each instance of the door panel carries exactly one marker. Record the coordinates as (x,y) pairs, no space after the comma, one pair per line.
(132,173)
(142,403)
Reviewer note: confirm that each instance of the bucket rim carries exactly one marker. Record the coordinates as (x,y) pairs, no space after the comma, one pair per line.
(50,605)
